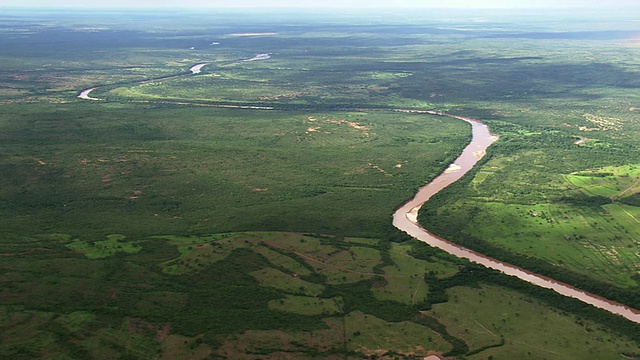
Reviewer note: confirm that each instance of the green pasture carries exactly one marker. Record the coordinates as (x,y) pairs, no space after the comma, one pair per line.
(367,334)
(196,252)
(287,283)
(76,320)
(404,276)
(629,213)
(581,239)
(299,255)
(487,316)
(345,266)
(543,204)
(283,261)
(612,182)
(480,177)
(100,249)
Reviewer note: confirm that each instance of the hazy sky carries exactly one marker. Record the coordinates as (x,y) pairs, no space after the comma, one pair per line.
(325,3)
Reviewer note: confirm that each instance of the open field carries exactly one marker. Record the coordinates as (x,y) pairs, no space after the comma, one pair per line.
(502,324)
(616,183)
(102,249)
(153,224)
(582,220)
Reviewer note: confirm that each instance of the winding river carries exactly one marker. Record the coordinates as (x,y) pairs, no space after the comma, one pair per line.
(405,219)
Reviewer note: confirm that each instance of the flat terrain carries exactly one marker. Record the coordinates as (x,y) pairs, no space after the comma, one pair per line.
(244,211)
(265,294)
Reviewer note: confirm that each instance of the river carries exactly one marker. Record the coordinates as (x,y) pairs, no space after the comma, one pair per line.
(197,69)
(405,219)
(85,94)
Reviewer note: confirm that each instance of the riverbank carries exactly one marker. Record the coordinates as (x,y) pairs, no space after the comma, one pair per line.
(85,94)
(197,69)
(405,219)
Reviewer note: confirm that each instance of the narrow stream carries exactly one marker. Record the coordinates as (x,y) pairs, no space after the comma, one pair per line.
(405,219)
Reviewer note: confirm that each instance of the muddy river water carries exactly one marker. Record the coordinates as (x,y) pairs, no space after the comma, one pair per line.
(405,219)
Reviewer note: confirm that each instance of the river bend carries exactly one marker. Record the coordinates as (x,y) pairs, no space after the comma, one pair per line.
(405,219)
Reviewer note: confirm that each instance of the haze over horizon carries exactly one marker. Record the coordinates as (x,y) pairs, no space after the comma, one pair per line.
(457,4)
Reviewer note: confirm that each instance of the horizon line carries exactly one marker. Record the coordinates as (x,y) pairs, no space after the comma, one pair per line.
(303,7)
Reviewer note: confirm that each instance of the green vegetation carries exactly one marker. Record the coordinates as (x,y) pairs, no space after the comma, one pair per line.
(180,170)
(307,305)
(250,233)
(616,183)
(73,306)
(577,226)
(367,334)
(101,249)
(502,326)
(291,297)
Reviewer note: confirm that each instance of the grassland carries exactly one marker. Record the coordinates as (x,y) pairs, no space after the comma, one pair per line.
(266,233)
(580,220)
(502,325)
(102,249)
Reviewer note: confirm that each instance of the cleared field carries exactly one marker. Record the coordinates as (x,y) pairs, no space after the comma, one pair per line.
(585,240)
(543,205)
(508,318)
(371,336)
(404,276)
(102,249)
(611,182)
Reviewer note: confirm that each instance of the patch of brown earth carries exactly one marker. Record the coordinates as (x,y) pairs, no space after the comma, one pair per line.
(581,140)
(602,123)
(376,167)
(352,124)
